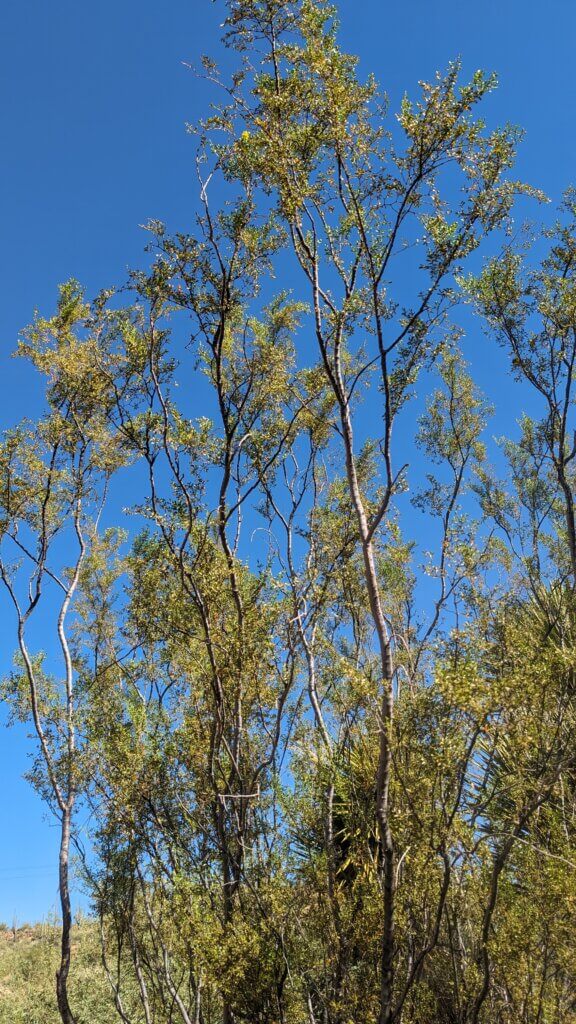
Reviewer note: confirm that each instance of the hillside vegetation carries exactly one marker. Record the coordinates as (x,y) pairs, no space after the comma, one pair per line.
(29,958)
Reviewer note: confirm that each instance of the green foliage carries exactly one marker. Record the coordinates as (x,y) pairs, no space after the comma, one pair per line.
(28,961)
(327,771)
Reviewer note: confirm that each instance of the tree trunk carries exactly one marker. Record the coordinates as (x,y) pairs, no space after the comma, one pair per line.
(65,949)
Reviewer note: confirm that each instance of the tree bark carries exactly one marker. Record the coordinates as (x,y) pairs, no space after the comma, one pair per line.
(65,946)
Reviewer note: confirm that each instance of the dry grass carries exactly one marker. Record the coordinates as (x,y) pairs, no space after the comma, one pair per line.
(28,962)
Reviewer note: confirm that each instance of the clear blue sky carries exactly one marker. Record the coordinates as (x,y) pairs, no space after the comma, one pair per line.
(94,98)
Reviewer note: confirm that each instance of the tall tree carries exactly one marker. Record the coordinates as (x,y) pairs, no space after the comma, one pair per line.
(54,478)
(314,139)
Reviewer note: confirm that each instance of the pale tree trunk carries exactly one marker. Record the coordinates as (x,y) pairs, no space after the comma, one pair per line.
(65,906)
(384,772)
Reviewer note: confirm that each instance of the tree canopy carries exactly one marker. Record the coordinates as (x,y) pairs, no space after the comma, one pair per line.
(315,685)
